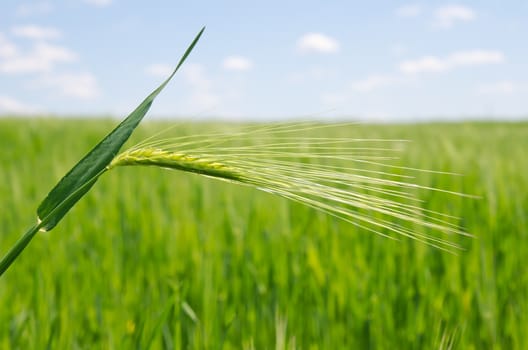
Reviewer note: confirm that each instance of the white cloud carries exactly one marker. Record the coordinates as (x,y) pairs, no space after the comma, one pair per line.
(78,85)
(7,48)
(42,58)
(25,64)
(430,64)
(33,9)
(11,105)
(36,32)
(54,53)
(447,16)
(160,70)
(237,63)
(476,57)
(318,42)
(202,95)
(372,82)
(424,64)
(410,10)
(99,3)
(504,87)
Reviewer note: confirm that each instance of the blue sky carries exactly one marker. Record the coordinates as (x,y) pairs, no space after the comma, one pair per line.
(376,61)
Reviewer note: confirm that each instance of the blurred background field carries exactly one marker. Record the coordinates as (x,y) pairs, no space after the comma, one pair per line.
(172,260)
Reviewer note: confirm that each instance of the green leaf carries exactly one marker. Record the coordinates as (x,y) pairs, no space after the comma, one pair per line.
(74,185)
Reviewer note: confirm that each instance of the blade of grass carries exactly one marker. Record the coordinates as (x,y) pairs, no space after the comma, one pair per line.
(78,181)
(95,162)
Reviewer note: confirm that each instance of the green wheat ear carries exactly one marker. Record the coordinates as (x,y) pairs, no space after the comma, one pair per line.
(351,179)
(78,181)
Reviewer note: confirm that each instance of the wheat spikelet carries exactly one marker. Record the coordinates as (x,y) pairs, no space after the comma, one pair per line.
(177,161)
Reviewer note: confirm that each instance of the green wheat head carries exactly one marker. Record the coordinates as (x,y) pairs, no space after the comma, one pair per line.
(178,161)
(351,179)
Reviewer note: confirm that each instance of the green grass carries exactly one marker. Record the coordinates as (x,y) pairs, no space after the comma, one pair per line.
(167,259)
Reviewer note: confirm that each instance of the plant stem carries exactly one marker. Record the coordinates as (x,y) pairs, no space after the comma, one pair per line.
(19,246)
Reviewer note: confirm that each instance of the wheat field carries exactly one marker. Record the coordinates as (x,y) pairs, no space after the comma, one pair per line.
(163,259)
